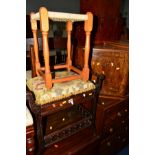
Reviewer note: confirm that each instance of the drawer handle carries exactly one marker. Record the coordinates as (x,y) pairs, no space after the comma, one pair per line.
(51,127)
(84,95)
(64,102)
(108,144)
(119,114)
(111,130)
(60,105)
(30,149)
(112,64)
(98,63)
(119,137)
(63,119)
(29,141)
(126,128)
(53,105)
(56,146)
(123,122)
(71,101)
(126,110)
(102,103)
(124,139)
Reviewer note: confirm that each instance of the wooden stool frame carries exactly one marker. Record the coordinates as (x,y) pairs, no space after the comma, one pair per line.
(44,15)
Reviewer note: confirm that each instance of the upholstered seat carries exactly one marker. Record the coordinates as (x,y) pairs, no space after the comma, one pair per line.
(29,119)
(59,90)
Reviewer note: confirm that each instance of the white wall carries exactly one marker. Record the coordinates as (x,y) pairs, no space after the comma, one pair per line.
(72,6)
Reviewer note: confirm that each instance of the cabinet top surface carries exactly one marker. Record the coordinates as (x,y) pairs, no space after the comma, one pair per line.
(112,45)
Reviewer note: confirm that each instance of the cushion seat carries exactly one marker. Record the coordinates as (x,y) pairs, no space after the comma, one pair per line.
(59,90)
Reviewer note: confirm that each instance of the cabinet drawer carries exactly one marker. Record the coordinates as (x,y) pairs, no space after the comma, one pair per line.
(114,142)
(30,141)
(108,146)
(111,114)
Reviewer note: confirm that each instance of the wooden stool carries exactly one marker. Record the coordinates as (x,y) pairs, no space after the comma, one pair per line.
(43,15)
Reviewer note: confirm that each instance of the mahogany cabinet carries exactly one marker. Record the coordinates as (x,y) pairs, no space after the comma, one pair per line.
(30,140)
(112,59)
(112,122)
(112,116)
(108,23)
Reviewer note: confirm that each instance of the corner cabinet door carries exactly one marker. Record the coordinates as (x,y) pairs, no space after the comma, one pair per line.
(114,64)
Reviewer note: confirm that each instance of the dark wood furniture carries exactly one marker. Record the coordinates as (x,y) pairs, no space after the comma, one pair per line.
(30,140)
(111,59)
(112,116)
(82,143)
(108,23)
(112,121)
(78,119)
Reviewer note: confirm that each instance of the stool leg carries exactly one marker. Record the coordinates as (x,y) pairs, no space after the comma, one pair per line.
(69,29)
(88,25)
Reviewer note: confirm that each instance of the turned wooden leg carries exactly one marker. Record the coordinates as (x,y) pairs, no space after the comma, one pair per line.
(88,28)
(69,29)
(44,26)
(35,40)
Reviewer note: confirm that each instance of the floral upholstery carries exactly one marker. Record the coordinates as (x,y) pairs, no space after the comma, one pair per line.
(29,119)
(59,90)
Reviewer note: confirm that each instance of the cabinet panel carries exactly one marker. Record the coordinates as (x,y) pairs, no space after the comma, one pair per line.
(111,59)
(107,19)
(113,62)
(101,7)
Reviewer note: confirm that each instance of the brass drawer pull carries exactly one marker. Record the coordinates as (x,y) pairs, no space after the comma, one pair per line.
(84,95)
(117,68)
(119,137)
(51,127)
(124,139)
(63,119)
(123,122)
(126,128)
(108,144)
(98,63)
(112,64)
(102,103)
(111,130)
(71,101)
(119,114)
(126,110)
